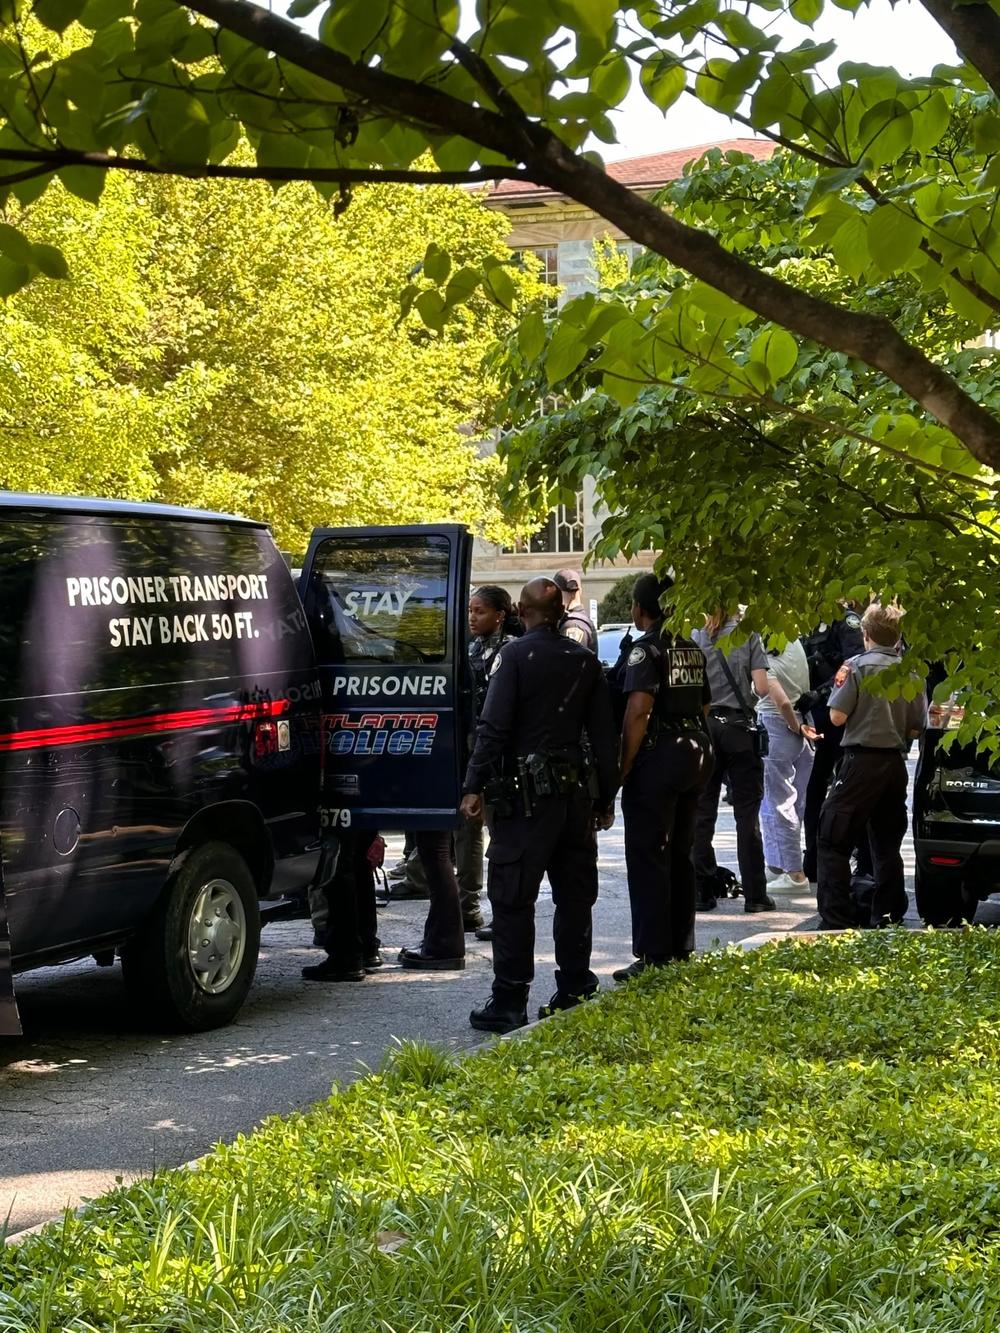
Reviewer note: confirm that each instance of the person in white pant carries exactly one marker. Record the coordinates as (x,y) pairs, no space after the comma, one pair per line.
(787,767)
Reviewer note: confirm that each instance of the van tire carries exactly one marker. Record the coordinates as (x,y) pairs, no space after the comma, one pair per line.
(943,900)
(188,983)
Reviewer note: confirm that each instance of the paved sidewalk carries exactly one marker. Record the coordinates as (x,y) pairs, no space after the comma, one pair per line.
(88,1097)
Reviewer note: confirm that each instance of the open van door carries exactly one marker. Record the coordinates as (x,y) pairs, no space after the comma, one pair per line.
(387,611)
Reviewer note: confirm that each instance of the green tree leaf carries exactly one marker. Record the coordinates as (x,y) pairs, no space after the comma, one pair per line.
(566,350)
(12,276)
(893,236)
(437,263)
(85,182)
(776,350)
(57,14)
(531,335)
(49,260)
(15,245)
(663,80)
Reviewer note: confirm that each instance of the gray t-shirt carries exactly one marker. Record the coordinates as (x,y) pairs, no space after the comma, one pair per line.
(790,668)
(749,656)
(872,720)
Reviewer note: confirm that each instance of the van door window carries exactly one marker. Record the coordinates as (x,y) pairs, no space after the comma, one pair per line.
(370,602)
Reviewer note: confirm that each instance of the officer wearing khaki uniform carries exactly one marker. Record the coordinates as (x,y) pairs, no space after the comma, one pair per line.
(870,787)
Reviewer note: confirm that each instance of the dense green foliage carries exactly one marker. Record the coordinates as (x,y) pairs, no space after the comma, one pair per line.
(796,1139)
(227,347)
(809,482)
(616,605)
(903,174)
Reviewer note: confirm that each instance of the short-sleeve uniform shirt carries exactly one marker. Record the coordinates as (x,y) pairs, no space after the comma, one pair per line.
(749,656)
(672,669)
(873,721)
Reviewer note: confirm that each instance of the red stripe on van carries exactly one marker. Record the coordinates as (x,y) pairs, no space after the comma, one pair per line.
(186,720)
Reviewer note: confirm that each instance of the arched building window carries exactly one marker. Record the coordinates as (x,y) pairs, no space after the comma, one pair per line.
(562,533)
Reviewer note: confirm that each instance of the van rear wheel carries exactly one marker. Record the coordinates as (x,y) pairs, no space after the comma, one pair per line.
(192,963)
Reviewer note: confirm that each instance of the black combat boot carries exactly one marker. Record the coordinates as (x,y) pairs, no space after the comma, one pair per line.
(764,904)
(564,1000)
(501,1014)
(637,968)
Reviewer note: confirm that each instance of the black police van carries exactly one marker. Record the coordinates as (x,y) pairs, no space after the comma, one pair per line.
(168,736)
(956,824)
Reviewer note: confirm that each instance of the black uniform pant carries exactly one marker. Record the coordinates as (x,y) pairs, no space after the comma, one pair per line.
(827,757)
(558,839)
(870,788)
(738,764)
(352,920)
(469,866)
(444,933)
(659,804)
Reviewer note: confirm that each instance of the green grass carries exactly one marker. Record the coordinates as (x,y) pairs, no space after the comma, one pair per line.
(796,1139)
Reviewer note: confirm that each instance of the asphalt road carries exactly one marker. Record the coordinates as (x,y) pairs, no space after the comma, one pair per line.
(89,1098)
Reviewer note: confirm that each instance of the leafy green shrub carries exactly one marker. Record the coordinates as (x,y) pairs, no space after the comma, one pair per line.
(797,1139)
(616,604)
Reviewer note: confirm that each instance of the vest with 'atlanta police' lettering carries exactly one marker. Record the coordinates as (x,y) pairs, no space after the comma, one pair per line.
(672,669)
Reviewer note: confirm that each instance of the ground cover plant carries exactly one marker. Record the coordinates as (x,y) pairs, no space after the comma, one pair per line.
(797,1139)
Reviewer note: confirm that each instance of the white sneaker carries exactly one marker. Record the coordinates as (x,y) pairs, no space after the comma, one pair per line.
(785,884)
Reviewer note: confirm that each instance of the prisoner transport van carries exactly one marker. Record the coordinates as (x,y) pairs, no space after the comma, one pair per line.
(164,732)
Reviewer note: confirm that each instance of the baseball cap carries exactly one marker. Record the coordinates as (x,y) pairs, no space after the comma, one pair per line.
(567,579)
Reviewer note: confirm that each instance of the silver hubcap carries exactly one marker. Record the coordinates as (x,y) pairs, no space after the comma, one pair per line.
(217,938)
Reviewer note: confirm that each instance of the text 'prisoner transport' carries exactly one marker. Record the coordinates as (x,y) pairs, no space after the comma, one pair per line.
(166,590)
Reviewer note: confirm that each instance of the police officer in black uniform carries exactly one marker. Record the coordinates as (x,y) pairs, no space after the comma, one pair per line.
(870,786)
(528,764)
(826,649)
(666,760)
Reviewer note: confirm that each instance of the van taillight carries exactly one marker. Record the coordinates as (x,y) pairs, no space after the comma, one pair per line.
(945,860)
(265,739)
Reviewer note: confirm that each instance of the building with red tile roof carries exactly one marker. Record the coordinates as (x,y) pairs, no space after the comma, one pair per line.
(645,174)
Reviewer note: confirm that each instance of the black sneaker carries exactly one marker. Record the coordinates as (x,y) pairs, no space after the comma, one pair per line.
(485,933)
(705,904)
(331,971)
(764,904)
(636,969)
(494,1018)
(561,1001)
